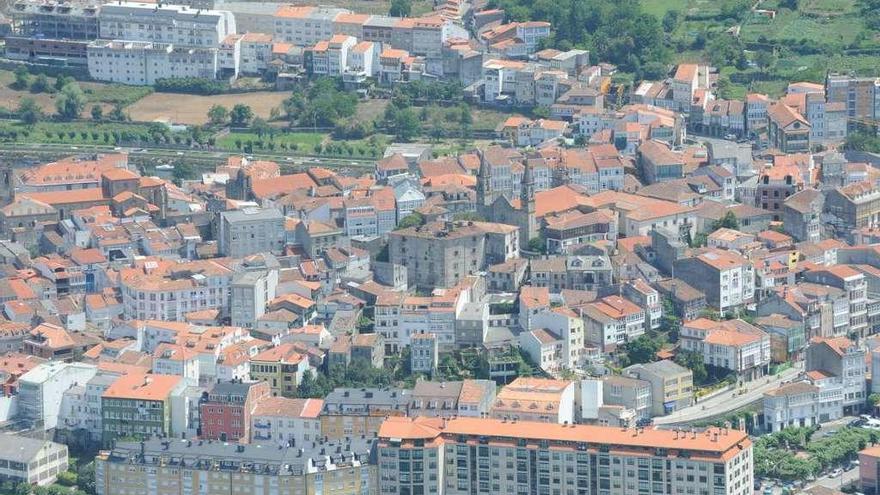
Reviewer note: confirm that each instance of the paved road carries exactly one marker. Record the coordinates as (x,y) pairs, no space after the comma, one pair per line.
(728,401)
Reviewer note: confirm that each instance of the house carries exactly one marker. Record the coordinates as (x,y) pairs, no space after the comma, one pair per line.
(32,461)
(140,405)
(284,421)
(733,345)
(352,412)
(839,359)
(787,129)
(726,278)
(631,393)
(282,366)
(225,409)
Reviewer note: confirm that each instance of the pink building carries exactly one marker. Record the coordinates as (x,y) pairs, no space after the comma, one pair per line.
(226,409)
(869,463)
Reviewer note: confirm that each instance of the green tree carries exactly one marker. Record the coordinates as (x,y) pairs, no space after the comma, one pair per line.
(642,350)
(22,78)
(183,170)
(260,126)
(241,115)
(874,399)
(671,20)
(97,113)
(765,60)
(406,124)
(694,362)
(118,113)
(40,84)
(414,219)
(70,102)
(62,81)
(29,112)
(538,244)
(218,114)
(400,8)
(728,221)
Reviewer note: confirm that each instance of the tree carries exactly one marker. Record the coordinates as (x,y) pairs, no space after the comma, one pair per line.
(765,60)
(671,20)
(40,84)
(642,350)
(694,362)
(22,78)
(261,127)
(538,244)
(241,115)
(728,221)
(414,219)
(400,8)
(218,114)
(874,399)
(118,113)
(62,81)
(406,124)
(97,113)
(29,112)
(70,102)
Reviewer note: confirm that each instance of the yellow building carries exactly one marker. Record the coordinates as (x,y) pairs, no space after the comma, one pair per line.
(179,467)
(282,367)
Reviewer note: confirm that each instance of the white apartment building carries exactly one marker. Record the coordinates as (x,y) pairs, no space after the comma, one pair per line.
(793,404)
(732,344)
(282,420)
(144,62)
(501,457)
(256,53)
(148,294)
(165,24)
(40,390)
(330,57)
(841,359)
(570,329)
(363,62)
(305,25)
(31,461)
(251,293)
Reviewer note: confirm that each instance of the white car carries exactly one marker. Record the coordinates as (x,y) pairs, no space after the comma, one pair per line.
(834,474)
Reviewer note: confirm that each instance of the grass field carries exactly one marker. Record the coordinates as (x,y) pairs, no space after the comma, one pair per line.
(193,110)
(104,94)
(308,143)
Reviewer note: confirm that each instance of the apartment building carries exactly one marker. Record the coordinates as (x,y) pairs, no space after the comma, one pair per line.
(161,290)
(144,62)
(41,389)
(659,163)
(441,254)
(672,385)
(31,461)
(840,359)
(629,393)
(725,277)
(432,455)
(734,345)
(250,294)
(854,206)
(280,421)
(353,412)
(340,468)
(304,25)
(165,24)
(822,309)
(791,405)
(225,409)
(854,284)
(251,231)
(282,366)
(860,95)
(140,405)
(330,57)
(612,321)
(536,399)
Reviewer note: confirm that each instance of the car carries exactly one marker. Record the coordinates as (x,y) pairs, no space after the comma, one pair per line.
(74,148)
(768,491)
(179,153)
(288,159)
(837,472)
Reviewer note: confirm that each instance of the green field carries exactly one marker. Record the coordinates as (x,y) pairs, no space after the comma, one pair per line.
(74,132)
(303,143)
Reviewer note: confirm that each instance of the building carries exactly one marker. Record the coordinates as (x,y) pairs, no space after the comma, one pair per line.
(659,163)
(539,458)
(802,215)
(793,404)
(353,412)
(844,360)
(628,392)
(40,391)
(788,130)
(869,470)
(726,278)
(284,421)
(166,23)
(140,405)
(860,95)
(424,353)
(225,410)
(442,254)
(144,62)
(160,290)
(282,367)
(536,399)
(851,207)
(448,399)
(671,385)
(855,286)
(251,231)
(339,467)
(251,293)
(31,461)
(734,345)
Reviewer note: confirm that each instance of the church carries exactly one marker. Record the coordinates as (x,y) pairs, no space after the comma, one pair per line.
(497,206)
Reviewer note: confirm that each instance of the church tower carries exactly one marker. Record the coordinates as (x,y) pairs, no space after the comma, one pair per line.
(528,224)
(485,196)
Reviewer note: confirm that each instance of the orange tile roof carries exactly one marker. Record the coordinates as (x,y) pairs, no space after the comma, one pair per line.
(294,11)
(142,386)
(284,353)
(425,428)
(285,184)
(288,408)
(67,197)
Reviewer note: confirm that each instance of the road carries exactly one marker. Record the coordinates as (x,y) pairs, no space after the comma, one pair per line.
(728,401)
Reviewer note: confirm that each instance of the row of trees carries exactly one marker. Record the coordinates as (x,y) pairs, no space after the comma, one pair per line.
(781,455)
(240,116)
(69,104)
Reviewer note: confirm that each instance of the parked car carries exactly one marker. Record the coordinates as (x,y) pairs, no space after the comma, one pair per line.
(837,472)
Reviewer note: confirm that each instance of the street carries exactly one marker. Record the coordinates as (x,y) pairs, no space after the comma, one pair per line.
(728,401)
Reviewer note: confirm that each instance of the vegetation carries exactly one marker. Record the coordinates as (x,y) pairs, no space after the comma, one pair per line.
(414,219)
(694,362)
(70,102)
(863,141)
(790,454)
(641,350)
(241,115)
(218,115)
(323,104)
(29,112)
(191,85)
